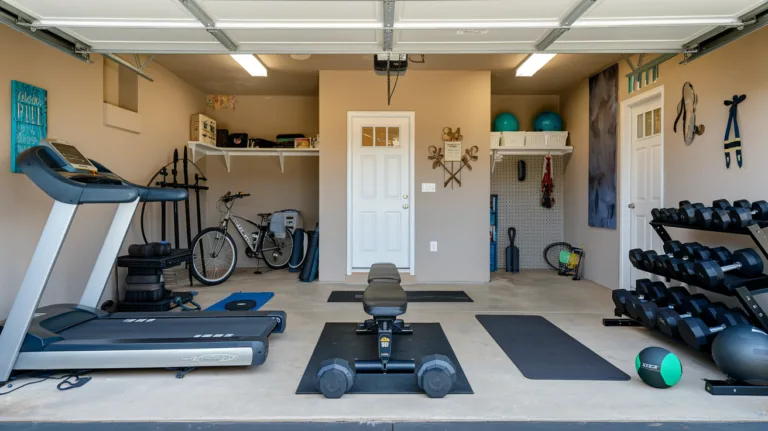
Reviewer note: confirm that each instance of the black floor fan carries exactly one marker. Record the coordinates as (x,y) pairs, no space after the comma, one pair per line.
(513,253)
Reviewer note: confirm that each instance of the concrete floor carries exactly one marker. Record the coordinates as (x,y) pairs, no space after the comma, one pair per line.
(266,393)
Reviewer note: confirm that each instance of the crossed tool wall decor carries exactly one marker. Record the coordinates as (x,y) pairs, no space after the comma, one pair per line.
(438,157)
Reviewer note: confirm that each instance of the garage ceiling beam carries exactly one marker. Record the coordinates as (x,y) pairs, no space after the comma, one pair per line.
(57,39)
(138,69)
(209,23)
(645,67)
(389,24)
(555,33)
(721,36)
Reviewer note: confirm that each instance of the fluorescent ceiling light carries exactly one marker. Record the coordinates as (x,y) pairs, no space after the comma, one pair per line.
(251,64)
(298,25)
(654,22)
(116,23)
(459,25)
(533,63)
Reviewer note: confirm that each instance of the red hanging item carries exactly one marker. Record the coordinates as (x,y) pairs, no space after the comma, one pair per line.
(547,201)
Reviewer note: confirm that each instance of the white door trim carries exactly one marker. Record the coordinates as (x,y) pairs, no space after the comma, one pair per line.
(411,116)
(625,175)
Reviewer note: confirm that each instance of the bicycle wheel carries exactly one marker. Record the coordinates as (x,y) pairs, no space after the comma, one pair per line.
(277,251)
(214,256)
(552,255)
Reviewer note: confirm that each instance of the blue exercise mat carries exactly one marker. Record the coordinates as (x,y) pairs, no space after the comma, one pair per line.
(260,298)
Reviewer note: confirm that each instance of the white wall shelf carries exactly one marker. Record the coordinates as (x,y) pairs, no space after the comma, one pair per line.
(200,149)
(498,153)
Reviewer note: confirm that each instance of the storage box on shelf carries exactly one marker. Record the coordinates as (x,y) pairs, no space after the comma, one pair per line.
(546,139)
(744,289)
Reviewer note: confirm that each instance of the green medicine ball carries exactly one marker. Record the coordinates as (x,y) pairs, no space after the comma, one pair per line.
(658,367)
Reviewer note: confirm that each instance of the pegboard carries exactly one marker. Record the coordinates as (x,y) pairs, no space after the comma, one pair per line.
(520,207)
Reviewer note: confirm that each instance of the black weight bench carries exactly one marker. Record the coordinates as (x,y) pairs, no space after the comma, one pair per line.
(385,300)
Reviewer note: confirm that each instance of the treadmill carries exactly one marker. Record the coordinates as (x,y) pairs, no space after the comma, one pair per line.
(80,336)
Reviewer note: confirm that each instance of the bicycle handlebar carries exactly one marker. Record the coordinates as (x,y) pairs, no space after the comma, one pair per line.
(230,197)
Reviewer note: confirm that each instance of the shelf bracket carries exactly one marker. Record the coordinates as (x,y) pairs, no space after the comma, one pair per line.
(282,161)
(227,161)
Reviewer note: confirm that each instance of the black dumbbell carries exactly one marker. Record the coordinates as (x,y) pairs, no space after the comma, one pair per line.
(621,296)
(676,250)
(698,335)
(665,215)
(649,258)
(684,270)
(659,298)
(687,211)
(758,210)
(704,215)
(745,261)
(696,305)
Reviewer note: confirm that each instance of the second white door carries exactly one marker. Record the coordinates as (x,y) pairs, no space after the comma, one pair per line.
(380,189)
(646,177)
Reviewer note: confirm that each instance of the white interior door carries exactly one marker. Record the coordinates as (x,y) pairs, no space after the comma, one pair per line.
(646,177)
(381,188)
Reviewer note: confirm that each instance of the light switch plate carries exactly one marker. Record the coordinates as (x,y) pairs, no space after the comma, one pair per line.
(427,187)
(433,246)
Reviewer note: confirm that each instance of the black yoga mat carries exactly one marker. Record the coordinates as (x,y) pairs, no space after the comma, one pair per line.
(542,351)
(413,296)
(339,340)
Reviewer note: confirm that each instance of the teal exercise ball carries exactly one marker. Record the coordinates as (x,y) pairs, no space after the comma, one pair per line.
(658,367)
(506,122)
(548,121)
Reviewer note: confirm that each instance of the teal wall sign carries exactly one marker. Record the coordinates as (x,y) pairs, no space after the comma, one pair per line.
(29,118)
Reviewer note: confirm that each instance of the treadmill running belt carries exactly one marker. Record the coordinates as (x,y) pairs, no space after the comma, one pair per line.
(169,328)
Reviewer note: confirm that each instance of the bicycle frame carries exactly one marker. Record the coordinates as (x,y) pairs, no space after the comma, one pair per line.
(263,227)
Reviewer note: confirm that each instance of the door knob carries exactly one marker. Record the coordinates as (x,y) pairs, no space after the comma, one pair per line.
(631,206)
(405,196)
(405,206)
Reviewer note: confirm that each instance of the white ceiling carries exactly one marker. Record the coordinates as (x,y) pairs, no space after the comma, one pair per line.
(475,26)
(220,74)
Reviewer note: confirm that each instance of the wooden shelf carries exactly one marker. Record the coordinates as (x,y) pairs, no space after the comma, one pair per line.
(498,153)
(200,149)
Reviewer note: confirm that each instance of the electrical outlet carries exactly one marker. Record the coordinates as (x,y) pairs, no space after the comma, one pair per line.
(427,187)
(433,246)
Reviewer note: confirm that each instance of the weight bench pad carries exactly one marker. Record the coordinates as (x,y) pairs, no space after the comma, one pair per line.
(383,271)
(384,299)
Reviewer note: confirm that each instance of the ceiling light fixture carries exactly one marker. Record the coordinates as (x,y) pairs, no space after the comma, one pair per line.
(298,25)
(251,64)
(116,23)
(654,22)
(533,63)
(459,25)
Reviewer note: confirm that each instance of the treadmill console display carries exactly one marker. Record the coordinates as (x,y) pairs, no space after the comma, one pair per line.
(70,154)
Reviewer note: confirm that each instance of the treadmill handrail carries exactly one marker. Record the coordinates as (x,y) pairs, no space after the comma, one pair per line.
(36,163)
(149,194)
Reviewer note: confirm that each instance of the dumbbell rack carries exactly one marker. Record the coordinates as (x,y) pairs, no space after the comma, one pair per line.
(745,289)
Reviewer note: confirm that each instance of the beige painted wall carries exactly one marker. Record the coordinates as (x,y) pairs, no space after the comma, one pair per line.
(695,172)
(266,117)
(75,97)
(525,108)
(458,218)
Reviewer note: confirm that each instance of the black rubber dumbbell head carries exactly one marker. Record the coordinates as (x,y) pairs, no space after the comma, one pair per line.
(436,375)
(703,217)
(721,204)
(720,255)
(335,377)
(721,220)
(656,214)
(620,298)
(740,217)
(636,258)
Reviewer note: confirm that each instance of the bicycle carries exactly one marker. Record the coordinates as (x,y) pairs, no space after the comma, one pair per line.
(214,253)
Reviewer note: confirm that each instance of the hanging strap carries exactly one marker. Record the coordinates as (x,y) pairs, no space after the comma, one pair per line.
(735,143)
